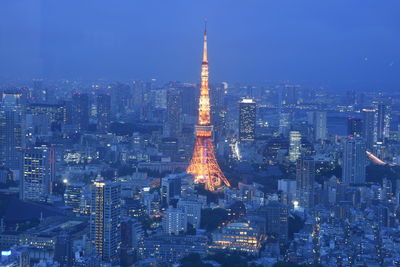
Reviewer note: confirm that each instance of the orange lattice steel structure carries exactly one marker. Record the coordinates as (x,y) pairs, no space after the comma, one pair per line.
(203,165)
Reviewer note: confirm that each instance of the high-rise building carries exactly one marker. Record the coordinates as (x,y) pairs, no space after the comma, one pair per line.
(173,123)
(174,221)
(12,129)
(80,104)
(203,165)
(103,112)
(277,219)
(36,174)
(294,145)
(319,125)
(105,219)
(354,161)
(354,127)
(247,120)
(305,177)
(73,196)
(382,122)
(290,95)
(369,127)
(284,123)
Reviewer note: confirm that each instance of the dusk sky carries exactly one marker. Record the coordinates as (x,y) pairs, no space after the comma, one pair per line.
(343,44)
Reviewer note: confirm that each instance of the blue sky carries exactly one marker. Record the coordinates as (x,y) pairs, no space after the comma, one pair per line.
(343,44)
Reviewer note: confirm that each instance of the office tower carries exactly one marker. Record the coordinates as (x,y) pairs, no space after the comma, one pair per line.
(105,216)
(319,121)
(174,221)
(294,145)
(80,105)
(382,122)
(237,237)
(12,129)
(354,161)
(247,120)
(218,111)
(369,129)
(305,176)
(355,127)
(203,165)
(173,122)
(73,196)
(120,97)
(277,219)
(36,174)
(103,112)
(170,188)
(55,114)
(192,210)
(290,95)
(39,92)
(284,123)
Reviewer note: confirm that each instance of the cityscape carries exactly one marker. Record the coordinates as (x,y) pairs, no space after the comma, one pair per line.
(207,172)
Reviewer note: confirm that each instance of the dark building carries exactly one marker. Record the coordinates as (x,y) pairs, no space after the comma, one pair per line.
(290,95)
(63,250)
(354,127)
(277,219)
(103,112)
(170,188)
(305,177)
(169,148)
(80,103)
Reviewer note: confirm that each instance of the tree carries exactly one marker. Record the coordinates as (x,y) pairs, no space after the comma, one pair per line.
(193,260)
(212,218)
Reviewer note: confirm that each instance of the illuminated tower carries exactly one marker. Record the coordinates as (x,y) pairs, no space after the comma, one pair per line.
(203,165)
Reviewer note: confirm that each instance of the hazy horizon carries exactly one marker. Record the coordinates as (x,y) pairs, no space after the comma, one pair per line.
(338,44)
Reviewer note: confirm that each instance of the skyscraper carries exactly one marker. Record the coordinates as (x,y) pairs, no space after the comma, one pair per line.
(247,120)
(12,129)
(103,112)
(382,122)
(80,104)
(354,161)
(36,174)
(369,127)
(354,127)
(105,219)
(173,123)
(294,145)
(277,219)
(305,176)
(203,165)
(319,125)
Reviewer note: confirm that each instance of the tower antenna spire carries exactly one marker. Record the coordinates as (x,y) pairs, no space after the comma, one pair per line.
(203,165)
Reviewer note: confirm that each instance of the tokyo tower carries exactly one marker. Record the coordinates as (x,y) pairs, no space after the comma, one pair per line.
(203,165)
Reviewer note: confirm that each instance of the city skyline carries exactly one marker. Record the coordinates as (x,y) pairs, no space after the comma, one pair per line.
(288,156)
